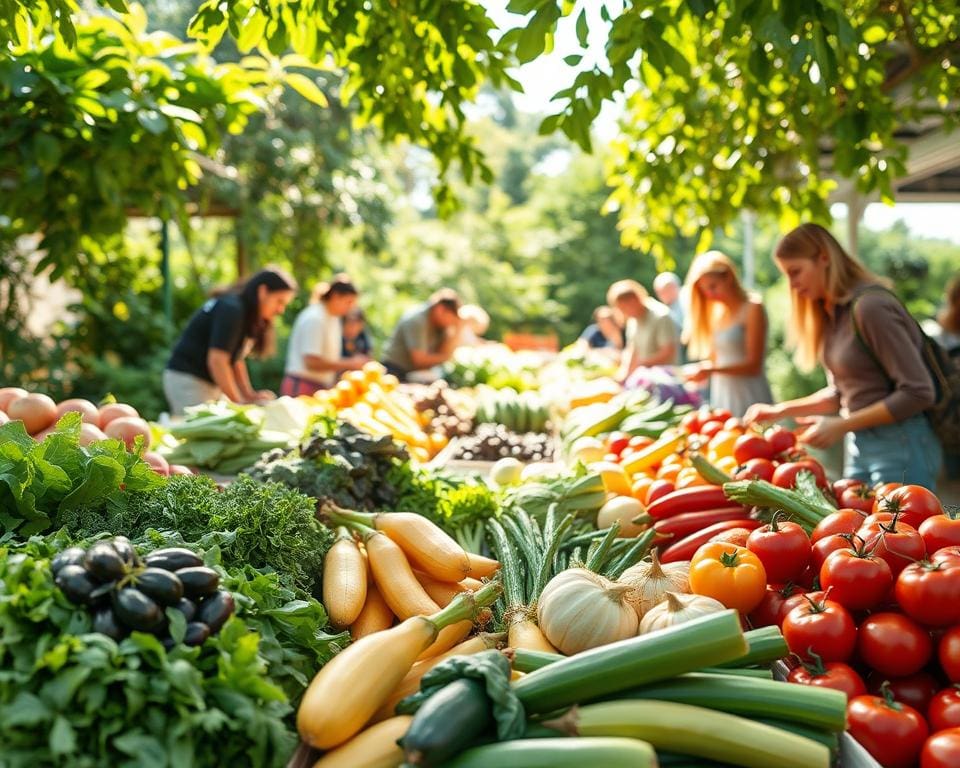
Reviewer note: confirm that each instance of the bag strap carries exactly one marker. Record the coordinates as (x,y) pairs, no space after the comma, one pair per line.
(859,335)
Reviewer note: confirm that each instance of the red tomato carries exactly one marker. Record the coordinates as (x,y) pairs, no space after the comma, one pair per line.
(893,733)
(948,652)
(768,612)
(944,710)
(946,554)
(884,489)
(893,644)
(839,486)
(752,446)
(825,547)
(839,522)
(720,414)
(781,439)
(755,469)
(855,578)
(659,489)
(824,628)
(942,750)
(799,598)
(835,675)
(895,542)
(785,476)
(930,592)
(737,536)
(859,497)
(914,503)
(710,428)
(915,691)
(783,548)
(939,531)
(690,423)
(733,424)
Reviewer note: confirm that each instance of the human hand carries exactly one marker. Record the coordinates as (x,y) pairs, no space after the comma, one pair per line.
(264,396)
(696,372)
(821,431)
(763,412)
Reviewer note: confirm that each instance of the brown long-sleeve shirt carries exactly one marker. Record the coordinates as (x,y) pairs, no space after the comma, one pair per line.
(903,382)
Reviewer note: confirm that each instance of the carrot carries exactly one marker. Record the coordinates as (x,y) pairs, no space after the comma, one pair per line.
(375,616)
(346,692)
(524,633)
(395,578)
(411,682)
(344,580)
(482,567)
(426,545)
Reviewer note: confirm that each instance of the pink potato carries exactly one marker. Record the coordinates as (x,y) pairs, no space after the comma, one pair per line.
(37,412)
(127,428)
(115,411)
(87,410)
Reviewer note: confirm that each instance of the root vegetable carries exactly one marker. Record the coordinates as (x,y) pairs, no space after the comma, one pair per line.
(651,581)
(90,433)
(127,428)
(115,411)
(677,609)
(9,394)
(37,412)
(87,410)
(159,464)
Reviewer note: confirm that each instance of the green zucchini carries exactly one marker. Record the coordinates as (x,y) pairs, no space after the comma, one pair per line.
(530,661)
(559,753)
(636,661)
(805,705)
(757,672)
(450,721)
(696,731)
(766,646)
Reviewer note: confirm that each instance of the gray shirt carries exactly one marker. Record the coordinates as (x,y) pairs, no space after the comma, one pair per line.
(414,331)
(901,379)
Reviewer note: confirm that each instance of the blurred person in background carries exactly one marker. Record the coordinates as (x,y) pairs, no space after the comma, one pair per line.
(605,333)
(426,336)
(208,360)
(315,352)
(474,323)
(651,336)
(356,337)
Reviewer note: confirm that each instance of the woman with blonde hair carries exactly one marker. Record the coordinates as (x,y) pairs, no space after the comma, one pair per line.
(878,383)
(727,330)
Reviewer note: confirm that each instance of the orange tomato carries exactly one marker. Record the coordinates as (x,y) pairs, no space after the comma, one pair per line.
(722,443)
(689,477)
(728,573)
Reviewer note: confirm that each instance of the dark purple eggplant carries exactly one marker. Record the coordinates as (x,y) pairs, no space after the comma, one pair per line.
(215,610)
(173,559)
(69,556)
(196,634)
(160,585)
(105,622)
(104,563)
(198,581)
(136,611)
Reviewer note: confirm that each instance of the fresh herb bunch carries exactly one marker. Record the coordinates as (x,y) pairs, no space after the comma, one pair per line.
(338,463)
(41,483)
(69,694)
(264,525)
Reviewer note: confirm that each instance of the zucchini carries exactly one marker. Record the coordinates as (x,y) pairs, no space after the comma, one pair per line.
(374,747)
(559,753)
(757,672)
(697,732)
(829,739)
(626,664)
(447,723)
(766,646)
(804,705)
(529,661)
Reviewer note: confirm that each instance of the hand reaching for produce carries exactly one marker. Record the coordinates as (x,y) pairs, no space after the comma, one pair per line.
(264,396)
(762,412)
(696,372)
(821,431)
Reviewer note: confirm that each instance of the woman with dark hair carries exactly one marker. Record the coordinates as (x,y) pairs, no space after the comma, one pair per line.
(356,337)
(315,353)
(208,361)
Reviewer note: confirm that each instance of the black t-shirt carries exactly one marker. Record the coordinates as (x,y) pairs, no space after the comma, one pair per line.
(218,324)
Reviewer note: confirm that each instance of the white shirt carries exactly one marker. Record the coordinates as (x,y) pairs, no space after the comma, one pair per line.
(315,332)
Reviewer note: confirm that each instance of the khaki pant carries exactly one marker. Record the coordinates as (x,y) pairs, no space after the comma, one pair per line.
(184,389)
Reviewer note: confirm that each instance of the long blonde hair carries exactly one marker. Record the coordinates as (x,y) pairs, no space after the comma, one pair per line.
(843,272)
(702,313)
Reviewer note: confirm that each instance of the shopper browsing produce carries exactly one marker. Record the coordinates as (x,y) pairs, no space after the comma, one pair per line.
(315,352)
(651,334)
(426,336)
(842,315)
(208,360)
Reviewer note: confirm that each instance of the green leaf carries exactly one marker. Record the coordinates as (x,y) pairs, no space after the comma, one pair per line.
(178,624)
(63,739)
(306,87)
(573,59)
(583,30)
(91,80)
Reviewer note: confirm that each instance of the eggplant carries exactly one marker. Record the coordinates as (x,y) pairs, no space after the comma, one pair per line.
(135,610)
(198,581)
(104,562)
(75,582)
(173,559)
(160,585)
(187,607)
(214,611)
(125,550)
(196,634)
(105,622)
(69,556)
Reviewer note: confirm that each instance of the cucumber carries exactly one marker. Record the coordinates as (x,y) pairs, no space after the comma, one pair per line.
(697,732)
(559,753)
(626,664)
(766,646)
(530,661)
(450,721)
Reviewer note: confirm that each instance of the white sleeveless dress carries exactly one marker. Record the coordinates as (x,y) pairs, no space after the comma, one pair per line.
(733,392)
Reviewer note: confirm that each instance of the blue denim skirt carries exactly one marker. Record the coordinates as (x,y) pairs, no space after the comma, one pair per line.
(906,452)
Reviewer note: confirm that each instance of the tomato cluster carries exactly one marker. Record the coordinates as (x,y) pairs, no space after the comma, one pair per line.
(883,624)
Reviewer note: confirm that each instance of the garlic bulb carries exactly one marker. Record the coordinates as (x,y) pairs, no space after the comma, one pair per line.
(580,609)
(651,581)
(677,609)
